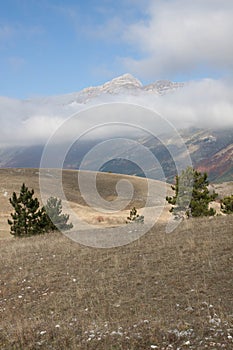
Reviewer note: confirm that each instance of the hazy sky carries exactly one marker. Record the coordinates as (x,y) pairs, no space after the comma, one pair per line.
(51,47)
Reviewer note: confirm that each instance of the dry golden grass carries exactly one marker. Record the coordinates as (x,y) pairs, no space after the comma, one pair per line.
(164,291)
(224,189)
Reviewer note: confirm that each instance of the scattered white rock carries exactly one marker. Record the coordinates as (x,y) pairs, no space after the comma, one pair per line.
(189,309)
(43,332)
(187,342)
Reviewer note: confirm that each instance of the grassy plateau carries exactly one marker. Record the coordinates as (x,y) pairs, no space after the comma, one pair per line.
(163,291)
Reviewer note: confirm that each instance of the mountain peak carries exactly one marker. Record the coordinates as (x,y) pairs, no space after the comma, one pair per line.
(127,77)
(126,84)
(125,80)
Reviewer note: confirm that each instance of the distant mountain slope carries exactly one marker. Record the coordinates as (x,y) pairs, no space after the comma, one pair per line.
(210,151)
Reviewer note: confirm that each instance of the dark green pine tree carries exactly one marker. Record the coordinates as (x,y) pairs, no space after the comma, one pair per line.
(192,196)
(201,196)
(183,191)
(28,218)
(227,205)
(55,219)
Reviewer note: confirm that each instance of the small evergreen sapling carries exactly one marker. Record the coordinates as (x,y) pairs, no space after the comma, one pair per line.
(55,219)
(135,217)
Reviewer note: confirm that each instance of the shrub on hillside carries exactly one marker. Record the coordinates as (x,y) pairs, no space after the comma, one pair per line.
(135,217)
(227,205)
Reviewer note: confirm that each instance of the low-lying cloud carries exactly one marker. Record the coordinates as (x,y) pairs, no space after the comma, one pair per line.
(204,104)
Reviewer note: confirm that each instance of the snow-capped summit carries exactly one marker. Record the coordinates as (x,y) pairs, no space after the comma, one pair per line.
(126,84)
(126,80)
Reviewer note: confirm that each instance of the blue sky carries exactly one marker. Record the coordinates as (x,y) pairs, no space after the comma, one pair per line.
(52,47)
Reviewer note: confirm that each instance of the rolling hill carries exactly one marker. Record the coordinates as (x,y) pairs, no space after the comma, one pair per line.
(106,185)
(12,179)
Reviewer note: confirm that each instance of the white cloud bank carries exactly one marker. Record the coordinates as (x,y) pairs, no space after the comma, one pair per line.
(182,37)
(25,123)
(205,104)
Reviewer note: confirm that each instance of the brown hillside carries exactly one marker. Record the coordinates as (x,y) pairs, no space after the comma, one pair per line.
(12,179)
